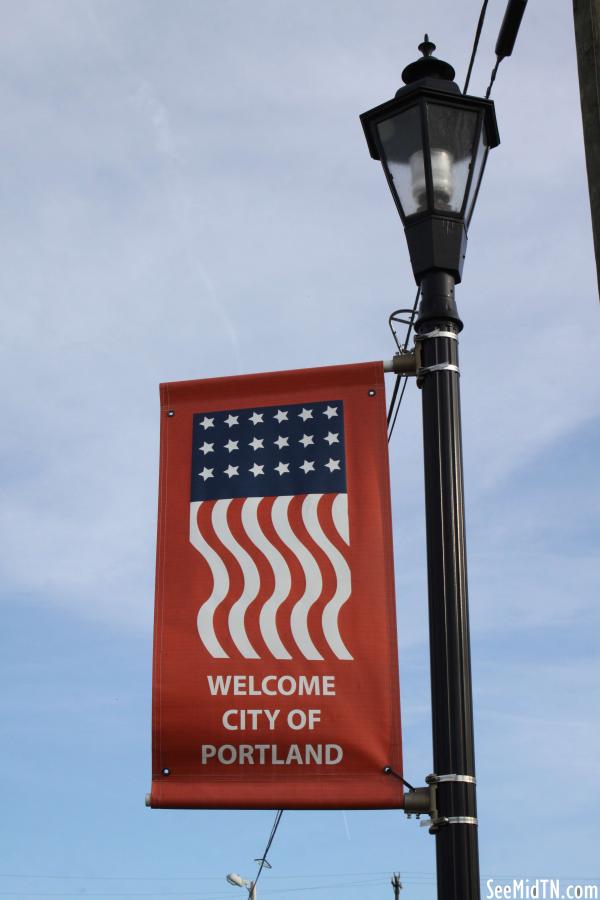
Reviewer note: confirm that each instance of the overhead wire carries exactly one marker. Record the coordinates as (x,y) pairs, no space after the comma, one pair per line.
(154,877)
(263,858)
(194,893)
(475,44)
(507,36)
(493,77)
(348,880)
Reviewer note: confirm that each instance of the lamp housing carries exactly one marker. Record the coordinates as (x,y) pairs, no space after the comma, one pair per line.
(433,143)
(237,880)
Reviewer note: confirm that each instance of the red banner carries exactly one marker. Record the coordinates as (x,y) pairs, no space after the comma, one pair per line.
(275,679)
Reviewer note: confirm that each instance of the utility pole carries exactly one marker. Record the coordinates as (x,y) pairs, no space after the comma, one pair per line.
(586,14)
(397,885)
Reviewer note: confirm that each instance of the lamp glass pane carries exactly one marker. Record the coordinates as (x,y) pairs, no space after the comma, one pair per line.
(402,151)
(478,166)
(452,142)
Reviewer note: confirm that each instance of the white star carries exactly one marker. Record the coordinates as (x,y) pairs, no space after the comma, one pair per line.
(256,418)
(333,464)
(283,468)
(281,416)
(330,411)
(207,448)
(206,473)
(231,470)
(306,439)
(231,445)
(332,438)
(307,466)
(256,470)
(281,442)
(207,423)
(305,414)
(231,420)
(256,443)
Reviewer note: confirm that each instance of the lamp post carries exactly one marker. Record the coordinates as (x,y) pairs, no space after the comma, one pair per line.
(433,144)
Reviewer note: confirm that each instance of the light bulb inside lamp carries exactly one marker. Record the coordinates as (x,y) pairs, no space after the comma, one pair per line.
(441,172)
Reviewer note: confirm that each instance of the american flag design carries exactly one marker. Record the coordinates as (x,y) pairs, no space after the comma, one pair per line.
(263,479)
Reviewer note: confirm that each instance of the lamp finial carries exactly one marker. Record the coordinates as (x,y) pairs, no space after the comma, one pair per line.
(428,66)
(426,47)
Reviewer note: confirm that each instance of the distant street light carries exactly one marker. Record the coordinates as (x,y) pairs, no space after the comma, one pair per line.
(433,142)
(238,881)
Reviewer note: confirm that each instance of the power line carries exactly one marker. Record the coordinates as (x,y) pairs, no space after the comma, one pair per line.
(507,36)
(377,878)
(493,77)
(263,858)
(293,875)
(155,877)
(122,896)
(475,44)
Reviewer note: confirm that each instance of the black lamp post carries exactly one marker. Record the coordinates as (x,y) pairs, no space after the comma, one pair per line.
(433,143)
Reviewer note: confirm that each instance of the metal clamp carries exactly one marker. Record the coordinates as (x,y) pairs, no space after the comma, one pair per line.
(467,779)
(434,825)
(438,367)
(437,333)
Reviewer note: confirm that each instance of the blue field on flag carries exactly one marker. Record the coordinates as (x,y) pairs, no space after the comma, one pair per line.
(269,451)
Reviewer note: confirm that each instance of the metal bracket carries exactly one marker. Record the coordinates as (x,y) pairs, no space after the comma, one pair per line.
(405,363)
(419,801)
(408,362)
(424,800)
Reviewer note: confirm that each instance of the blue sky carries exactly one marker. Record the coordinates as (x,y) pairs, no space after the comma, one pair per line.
(187,193)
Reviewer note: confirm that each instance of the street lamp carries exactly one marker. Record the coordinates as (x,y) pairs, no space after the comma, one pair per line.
(433,143)
(238,881)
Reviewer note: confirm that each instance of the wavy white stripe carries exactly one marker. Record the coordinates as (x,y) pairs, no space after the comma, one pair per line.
(342,573)
(281,571)
(205,619)
(339,512)
(312,576)
(251,580)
